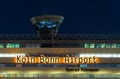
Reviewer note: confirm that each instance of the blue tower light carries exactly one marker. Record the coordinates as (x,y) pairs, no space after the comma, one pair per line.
(47,24)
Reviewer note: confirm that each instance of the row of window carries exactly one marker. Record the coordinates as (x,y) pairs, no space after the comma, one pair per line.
(93,45)
(86,45)
(10,45)
(15,45)
(63,75)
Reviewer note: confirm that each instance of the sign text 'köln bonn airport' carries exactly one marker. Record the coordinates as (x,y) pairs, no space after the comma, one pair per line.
(42,59)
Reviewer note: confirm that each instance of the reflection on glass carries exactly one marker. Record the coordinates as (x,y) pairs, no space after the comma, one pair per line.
(12,45)
(118,45)
(87,45)
(113,45)
(47,24)
(92,45)
(108,45)
(1,45)
(103,45)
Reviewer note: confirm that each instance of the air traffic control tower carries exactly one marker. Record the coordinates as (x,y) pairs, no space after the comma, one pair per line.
(47,26)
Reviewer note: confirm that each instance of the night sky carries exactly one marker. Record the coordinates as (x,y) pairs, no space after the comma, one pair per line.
(80,16)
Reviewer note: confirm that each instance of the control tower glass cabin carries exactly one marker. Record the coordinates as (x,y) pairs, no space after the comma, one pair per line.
(47,26)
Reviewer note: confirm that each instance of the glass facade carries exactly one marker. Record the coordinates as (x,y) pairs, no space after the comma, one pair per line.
(63,75)
(32,45)
(12,45)
(1,45)
(16,45)
(80,45)
(102,45)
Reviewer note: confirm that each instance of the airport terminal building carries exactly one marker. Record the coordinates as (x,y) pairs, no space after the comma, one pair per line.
(98,54)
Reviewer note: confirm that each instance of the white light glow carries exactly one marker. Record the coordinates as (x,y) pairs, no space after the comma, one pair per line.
(105,55)
(4,55)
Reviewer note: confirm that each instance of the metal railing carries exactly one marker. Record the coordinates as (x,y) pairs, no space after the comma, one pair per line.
(61,37)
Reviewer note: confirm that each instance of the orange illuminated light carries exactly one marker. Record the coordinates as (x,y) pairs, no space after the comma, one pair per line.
(57,60)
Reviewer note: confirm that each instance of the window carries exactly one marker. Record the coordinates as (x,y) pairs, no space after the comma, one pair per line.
(87,45)
(12,45)
(92,45)
(17,45)
(47,24)
(113,45)
(103,45)
(118,45)
(108,45)
(1,45)
(33,46)
(83,65)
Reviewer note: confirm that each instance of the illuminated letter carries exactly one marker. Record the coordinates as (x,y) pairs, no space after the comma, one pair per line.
(23,60)
(18,59)
(94,59)
(42,59)
(72,59)
(67,59)
(56,59)
(80,60)
(47,60)
(90,60)
(85,59)
(32,60)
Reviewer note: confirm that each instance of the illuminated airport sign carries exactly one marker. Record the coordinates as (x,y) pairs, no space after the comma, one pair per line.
(56,60)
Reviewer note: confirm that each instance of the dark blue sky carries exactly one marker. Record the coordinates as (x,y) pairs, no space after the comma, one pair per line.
(81,16)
